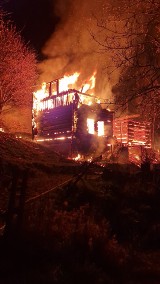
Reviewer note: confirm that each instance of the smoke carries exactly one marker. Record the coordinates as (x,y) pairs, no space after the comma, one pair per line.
(71,47)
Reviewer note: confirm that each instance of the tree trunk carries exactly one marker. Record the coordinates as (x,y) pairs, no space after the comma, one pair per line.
(1,123)
(153,132)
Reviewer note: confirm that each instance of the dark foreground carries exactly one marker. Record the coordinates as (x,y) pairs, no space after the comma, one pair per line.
(102,228)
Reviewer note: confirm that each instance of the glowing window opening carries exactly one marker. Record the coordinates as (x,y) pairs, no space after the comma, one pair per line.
(100,125)
(90,125)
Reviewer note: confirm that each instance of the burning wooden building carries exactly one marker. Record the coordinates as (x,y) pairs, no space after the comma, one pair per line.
(132,132)
(72,121)
(133,135)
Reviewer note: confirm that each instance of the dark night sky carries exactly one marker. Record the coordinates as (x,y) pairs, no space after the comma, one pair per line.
(35,19)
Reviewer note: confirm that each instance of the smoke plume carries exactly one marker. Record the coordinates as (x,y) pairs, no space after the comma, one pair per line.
(71,47)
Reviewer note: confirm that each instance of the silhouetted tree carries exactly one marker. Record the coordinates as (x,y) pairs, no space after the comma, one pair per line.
(130,34)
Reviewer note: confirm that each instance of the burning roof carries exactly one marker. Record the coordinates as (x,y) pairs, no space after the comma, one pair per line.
(64,113)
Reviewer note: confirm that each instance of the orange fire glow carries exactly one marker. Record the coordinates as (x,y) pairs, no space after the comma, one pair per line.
(100,125)
(90,125)
(65,83)
(77,158)
(68,81)
(90,85)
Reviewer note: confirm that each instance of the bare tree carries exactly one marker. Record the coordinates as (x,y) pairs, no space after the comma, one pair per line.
(17,68)
(131,37)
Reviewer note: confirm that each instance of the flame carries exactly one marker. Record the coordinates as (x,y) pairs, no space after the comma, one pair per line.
(90,85)
(38,96)
(77,158)
(65,83)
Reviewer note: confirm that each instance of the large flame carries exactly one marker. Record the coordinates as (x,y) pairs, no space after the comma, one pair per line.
(90,84)
(68,81)
(65,83)
(38,96)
